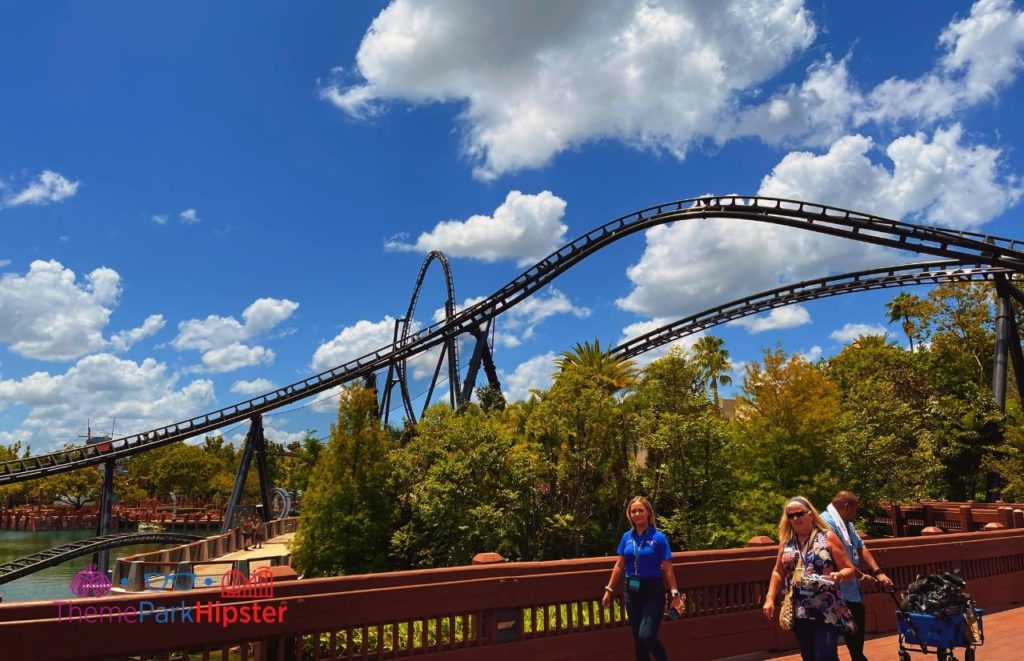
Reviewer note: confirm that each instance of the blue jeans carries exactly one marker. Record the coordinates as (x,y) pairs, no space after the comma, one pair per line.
(818,641)
(645,609)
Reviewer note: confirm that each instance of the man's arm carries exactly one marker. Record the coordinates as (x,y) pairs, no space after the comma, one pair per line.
(871,567)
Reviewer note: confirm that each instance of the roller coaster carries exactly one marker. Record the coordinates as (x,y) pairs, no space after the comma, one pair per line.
(30,564)
(965,257)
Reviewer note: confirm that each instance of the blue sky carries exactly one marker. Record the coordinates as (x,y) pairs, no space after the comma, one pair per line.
(201,201)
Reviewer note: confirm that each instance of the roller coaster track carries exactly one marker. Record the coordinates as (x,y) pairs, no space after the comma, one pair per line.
(950,244)
(15,569)
(904,275)
(398,371)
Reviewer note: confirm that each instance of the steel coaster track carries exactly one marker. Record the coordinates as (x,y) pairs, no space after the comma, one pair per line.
(950,244)
(30,564)
(451,348)
(904,275)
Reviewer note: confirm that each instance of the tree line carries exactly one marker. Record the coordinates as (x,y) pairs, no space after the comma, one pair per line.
(548,477)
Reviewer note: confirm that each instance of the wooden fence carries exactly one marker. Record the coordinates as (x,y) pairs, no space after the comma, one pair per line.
(215,546)
(501,612)
(904,520)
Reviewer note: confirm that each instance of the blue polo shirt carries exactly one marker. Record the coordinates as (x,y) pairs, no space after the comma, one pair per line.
(851,589)
(653,548)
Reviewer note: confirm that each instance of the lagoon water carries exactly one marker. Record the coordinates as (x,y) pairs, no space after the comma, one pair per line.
(53,583)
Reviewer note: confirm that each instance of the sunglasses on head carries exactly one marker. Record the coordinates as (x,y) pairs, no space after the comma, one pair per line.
(796,515)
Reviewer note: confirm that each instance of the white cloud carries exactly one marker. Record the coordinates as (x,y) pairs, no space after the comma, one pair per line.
(538,77)
(534,373)
(789,316)
(524,227)
(639,328)
(48,188)
(253,387)
(939,181)
(140,396)
(234,356)
(190,217)
(942,181)
(124,340)
(850,332)
(812,354)
(354,341)
(982,55)
(221,338)
(4,263)
(273,430)
(47,315)
(160,219)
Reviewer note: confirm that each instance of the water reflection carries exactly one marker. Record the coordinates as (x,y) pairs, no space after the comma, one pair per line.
(52,583)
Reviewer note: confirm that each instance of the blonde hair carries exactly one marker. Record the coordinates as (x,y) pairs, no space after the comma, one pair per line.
(786,532)
(651,518)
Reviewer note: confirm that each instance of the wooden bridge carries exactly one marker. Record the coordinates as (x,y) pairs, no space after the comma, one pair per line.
(536,610)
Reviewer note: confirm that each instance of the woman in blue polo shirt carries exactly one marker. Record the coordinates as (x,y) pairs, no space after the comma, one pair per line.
(646,561)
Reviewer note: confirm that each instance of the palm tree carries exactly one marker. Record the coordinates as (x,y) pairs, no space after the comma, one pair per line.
(903,308)
(612,371)
(713,361)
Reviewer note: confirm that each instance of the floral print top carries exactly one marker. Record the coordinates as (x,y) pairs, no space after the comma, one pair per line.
(822,605)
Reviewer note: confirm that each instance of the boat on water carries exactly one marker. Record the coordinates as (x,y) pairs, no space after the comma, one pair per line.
(150,527)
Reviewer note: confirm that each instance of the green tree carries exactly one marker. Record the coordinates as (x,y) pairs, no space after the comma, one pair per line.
(465,484)
(346,511)
(683,460)
(582,429)
(613,372)
(912,312)
(786,419)
(882,448)
(713,360)
(75,488)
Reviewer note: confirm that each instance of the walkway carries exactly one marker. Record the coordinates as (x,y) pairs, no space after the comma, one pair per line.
(1004,640)
(276,546)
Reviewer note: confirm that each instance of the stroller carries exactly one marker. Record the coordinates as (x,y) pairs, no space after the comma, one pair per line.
(937,613)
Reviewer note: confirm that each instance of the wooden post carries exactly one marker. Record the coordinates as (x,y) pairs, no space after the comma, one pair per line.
(928,515)
(966,519)
(897,520)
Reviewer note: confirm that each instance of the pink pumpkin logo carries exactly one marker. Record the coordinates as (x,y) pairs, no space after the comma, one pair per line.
(90,583)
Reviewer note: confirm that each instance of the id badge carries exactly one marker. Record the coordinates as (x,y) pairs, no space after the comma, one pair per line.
(798,575)
(632,583)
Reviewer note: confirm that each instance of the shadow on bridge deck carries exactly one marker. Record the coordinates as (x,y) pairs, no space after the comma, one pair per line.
(1004,641)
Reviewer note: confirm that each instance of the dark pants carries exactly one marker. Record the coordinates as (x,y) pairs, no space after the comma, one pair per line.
(818,641)
(645,609)
(855,641)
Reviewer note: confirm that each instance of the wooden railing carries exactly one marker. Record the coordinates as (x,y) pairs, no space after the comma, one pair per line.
(905,520)
(212,547)
(537,610)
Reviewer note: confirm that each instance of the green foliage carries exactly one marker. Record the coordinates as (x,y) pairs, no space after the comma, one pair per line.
(712,359)
(582,429)
(465,485)
(346,511)
(683,459)
(786,418)
(612,372)
(75,488)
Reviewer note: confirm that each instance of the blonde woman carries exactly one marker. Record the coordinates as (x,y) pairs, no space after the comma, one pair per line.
(813,562)
(646,561)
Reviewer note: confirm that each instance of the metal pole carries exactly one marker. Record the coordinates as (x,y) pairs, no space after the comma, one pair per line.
(260,442)
(243,472)
(1004,313)
(103,516)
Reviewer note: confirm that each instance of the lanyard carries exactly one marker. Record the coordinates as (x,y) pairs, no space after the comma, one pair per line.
(636,552)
